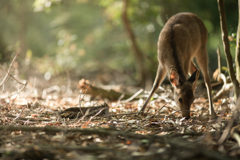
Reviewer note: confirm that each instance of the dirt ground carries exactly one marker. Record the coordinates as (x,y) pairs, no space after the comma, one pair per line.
(35,124)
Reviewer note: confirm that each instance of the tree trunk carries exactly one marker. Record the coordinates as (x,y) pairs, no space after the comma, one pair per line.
(22,11)
(140,60)
(226,46)
(237,53)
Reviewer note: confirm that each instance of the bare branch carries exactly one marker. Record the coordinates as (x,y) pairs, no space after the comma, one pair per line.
(226,46)
(135,48)
(9,69)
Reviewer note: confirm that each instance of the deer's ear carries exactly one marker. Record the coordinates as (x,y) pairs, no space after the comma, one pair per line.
(174,78)
(193,77)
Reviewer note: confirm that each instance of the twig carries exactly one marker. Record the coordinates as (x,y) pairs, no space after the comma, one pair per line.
(237,137)
(124,114)
(9,74)
(92,117)
(20,112)
(158,111)
(224,79)
(99,112)
(80,100)
(10,66)
(89,113)
(15,96)
(220,77)
(219,61)
(226,132)
(26,119)
(133,96)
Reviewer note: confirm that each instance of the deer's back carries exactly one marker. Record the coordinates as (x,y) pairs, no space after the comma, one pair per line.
(180,39)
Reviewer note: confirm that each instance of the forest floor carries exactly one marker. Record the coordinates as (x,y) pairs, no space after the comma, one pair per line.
(33,126)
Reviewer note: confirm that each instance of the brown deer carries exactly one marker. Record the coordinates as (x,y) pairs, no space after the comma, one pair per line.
(183,37)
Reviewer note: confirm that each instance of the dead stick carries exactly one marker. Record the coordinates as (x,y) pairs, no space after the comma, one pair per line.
(25,119)
(20,90)
(71,147)
(158,111)
(219,61)
(11,64)
(80,101)
(11,75)
(49,129)
(132,97)
(20,112)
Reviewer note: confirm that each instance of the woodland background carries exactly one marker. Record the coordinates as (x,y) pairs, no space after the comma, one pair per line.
(74,74)
(88,38)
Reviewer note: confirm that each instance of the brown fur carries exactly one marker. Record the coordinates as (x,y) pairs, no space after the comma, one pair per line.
(183,37)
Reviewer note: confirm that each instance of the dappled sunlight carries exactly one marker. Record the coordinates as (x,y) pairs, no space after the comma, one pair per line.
(74,75)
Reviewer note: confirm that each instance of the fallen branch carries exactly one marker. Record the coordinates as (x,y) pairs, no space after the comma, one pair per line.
(225,88)
(8,71)
(74,112)
(19,91)
(133,96)
(20,112)
(124,114)
(49,129)
(70,147)
(221,78)
(9,74)
(158,111)
(88,88)
(80,101)
(26,119)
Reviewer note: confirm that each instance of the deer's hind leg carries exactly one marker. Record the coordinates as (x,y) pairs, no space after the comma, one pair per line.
(202,60)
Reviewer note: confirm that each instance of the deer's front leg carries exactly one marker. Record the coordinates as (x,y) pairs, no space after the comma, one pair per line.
(192,69)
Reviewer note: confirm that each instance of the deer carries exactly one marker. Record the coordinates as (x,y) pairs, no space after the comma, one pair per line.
(183,38)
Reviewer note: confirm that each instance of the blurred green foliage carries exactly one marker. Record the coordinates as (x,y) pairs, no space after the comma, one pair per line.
(86,36)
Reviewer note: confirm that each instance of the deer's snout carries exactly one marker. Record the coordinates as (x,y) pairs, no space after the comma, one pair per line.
(186,114)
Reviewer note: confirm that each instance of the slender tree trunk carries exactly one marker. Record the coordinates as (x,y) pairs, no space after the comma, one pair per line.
(226,46)
(219,61)
(22,28)
(140,60)
(237,53)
